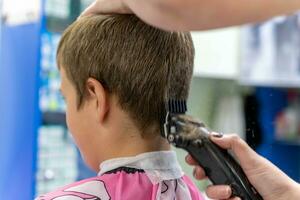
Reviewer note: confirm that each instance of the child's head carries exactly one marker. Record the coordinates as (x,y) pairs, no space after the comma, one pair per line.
(115,75)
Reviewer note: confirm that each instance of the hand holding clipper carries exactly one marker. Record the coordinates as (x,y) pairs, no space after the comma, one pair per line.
(220,167)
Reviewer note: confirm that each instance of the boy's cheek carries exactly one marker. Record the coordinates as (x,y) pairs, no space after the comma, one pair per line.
(69,121)
(74,122)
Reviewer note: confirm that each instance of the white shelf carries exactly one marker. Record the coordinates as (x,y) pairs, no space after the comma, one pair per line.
(217,53)
(280,83)
(215,75)
(270,54)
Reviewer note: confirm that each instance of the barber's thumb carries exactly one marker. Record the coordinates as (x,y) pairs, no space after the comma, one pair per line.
(229,141)
(238,146)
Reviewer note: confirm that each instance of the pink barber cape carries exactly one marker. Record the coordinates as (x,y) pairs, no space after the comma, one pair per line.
(148,176)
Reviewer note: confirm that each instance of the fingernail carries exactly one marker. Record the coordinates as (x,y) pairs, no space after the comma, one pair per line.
(217,135)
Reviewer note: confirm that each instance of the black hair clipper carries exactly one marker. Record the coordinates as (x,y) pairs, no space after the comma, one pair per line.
(220,167)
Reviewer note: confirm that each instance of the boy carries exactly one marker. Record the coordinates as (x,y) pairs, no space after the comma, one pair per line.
(117,73)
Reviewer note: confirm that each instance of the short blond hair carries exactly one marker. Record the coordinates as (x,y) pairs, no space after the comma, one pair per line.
(142,65)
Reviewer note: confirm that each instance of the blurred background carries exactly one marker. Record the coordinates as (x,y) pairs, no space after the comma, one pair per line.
(246,81)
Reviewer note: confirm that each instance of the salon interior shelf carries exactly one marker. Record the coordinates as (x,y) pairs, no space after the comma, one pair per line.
(217,53)
(271,82)
(54,118)
(288,142)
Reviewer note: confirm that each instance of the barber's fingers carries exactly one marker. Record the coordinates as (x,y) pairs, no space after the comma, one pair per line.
(106,7)
(92,9)
(218,192)
(235,198)
(246,156)
(189,159)
(199,173)
(231,142)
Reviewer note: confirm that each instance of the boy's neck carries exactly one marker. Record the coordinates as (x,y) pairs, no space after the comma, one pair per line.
(123,139)
(139,144)
(131,142)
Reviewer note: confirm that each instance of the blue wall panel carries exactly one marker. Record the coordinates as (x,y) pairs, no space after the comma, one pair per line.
(19,113)
(285,155)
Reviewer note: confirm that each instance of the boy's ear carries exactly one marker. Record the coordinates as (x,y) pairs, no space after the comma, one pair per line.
(98,96)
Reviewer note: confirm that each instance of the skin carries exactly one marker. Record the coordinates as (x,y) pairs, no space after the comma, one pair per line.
(269,181)
(100,128)
(196,14)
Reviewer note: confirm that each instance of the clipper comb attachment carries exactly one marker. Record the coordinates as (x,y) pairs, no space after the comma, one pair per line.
(177,106)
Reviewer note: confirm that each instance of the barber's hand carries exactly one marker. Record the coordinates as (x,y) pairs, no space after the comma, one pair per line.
(107,7)
(268,180)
